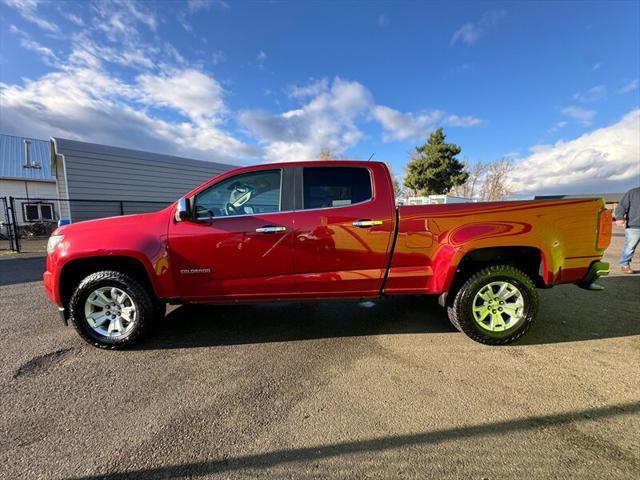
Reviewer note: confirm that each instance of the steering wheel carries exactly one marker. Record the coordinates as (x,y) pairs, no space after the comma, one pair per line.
(229,209)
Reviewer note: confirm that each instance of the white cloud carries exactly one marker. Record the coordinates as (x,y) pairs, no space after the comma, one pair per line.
(86,52)
(409,126)
(191,92)
(174,53)
(120,19)
(28,43)
(606,159)
(457,121)
(34,46)
(312,89)
(88,104)
(404,126)
(196,5)
(28,9)
(217,57)
(579,114)
(470,32)
(161,102)
(596,66)
(629,87)
(74,19)
(558,126)
(328,119)
(593,94)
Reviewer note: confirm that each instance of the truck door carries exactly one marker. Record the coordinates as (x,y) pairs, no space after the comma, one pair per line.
(344,228)
(239,243)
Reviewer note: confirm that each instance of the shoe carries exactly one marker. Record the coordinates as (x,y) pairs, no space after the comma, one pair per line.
(627,269)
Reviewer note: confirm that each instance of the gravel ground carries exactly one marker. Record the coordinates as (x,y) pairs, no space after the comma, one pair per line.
(335,390)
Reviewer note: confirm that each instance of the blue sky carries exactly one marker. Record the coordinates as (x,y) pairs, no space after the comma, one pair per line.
(552,85)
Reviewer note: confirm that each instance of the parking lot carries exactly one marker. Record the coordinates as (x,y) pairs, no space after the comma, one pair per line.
(382,389)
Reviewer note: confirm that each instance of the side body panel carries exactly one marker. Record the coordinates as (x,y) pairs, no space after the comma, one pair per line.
(432,240)
(334,258)
(140,237)
(226,257)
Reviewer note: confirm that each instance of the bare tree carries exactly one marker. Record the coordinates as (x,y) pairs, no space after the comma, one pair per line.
(471,188)
(495,185)
(486,181)
(398,188)
(326,154)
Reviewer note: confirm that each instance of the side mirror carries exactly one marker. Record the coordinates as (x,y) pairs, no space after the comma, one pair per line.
(183,211)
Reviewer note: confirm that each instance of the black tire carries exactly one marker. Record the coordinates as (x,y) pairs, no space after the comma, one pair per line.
(147,309)
(461,312)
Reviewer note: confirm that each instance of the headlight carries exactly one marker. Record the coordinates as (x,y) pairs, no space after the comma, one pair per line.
(54,241)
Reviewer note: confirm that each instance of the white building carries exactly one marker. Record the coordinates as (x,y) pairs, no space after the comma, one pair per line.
(25,174)
(436,200)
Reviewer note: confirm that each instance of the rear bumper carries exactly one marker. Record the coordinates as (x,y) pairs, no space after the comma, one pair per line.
(596,270)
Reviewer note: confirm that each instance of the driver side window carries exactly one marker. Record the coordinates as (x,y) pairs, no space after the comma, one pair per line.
(245,194)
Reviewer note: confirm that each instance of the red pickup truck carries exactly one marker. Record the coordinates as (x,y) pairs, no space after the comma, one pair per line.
(322,230)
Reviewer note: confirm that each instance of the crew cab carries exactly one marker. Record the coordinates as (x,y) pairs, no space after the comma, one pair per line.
(322,230)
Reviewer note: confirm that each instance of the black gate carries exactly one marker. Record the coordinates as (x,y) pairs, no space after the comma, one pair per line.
(39,216)
(9,235)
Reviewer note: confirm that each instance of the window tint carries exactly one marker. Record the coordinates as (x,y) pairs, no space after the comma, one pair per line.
(335,186)
(31,213)
(246,194)
(47,212)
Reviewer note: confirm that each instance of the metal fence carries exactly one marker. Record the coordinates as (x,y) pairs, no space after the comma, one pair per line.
(25,218)
(9,237)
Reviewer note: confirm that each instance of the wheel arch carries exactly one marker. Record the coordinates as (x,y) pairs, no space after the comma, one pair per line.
(74,271)
(530,260)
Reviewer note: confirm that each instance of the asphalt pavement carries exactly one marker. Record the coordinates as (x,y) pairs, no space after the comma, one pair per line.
(383,389)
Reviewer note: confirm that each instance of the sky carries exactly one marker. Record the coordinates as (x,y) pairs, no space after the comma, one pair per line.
(554,86)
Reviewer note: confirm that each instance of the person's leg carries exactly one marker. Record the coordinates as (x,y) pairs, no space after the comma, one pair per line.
(631,239)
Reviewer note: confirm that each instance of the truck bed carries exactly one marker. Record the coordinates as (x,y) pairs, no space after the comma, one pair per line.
(432,240)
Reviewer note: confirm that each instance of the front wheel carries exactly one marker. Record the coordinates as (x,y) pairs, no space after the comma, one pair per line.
(495,306)
(112,310)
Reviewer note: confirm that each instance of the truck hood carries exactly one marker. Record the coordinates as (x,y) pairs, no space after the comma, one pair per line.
(128,224)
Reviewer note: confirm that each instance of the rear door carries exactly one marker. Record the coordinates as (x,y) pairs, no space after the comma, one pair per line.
(239,245)
(343,232)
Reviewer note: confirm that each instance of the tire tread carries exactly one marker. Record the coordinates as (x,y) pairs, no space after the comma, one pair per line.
(456,312)
(147,304)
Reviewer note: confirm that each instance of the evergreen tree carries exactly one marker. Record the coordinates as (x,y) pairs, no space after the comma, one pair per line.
(434,168)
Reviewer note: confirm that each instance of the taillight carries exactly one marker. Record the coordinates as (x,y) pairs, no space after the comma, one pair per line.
(604,229)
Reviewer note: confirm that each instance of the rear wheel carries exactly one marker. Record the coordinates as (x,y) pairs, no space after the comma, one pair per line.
(495,306)
(112,310)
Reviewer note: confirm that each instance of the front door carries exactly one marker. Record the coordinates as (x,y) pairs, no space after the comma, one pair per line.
(239,243)
(343,231)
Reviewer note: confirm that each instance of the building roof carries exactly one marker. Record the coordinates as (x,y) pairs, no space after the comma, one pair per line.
(13,159)
(608,197)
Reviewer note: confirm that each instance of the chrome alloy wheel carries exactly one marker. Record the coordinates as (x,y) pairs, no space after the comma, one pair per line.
(110,312)
(498,306)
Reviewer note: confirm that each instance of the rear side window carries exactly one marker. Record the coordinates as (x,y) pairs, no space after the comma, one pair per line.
(326,187)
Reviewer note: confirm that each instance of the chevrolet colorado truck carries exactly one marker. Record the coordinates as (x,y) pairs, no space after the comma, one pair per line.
(322,230)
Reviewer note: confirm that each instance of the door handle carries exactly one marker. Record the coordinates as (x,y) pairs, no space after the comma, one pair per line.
(366,223)
(270,229)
